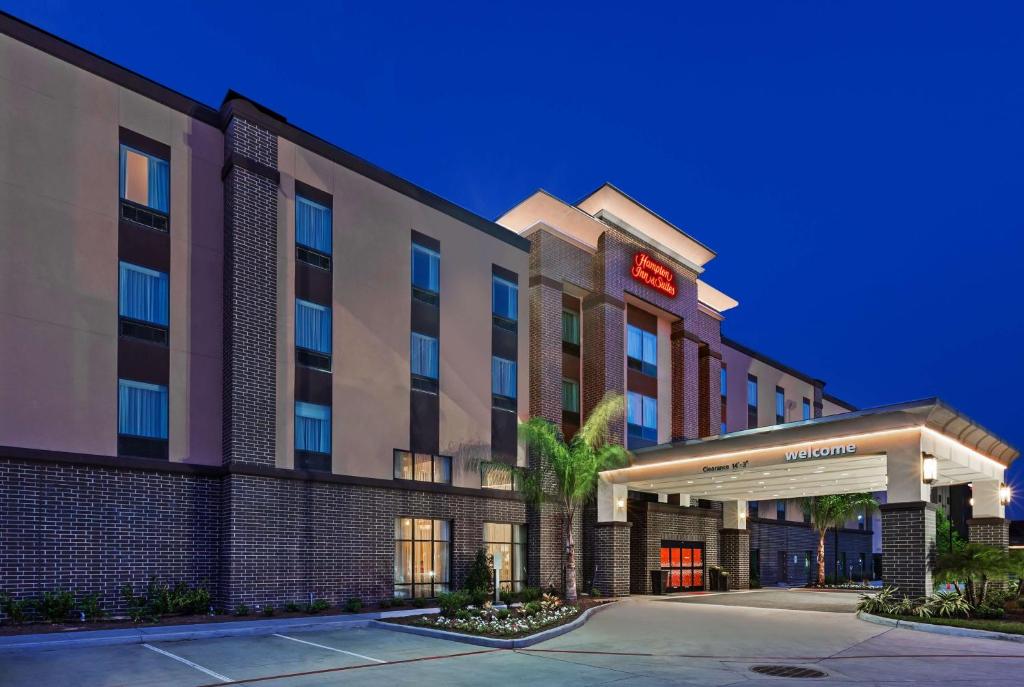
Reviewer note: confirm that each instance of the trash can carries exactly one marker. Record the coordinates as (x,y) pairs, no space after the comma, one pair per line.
(659,581)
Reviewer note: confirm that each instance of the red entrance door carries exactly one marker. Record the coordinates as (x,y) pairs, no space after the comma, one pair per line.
(684,562)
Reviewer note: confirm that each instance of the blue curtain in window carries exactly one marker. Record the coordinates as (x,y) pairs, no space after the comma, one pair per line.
(143,294)
(312,326)
(159,184)
(634,343)
(503,377)
(312,427)
(505,299)
(141,409)
(634,409)
(424,355)
(312,225)
(651,415)
(426,269)
(751,392)
(650,348)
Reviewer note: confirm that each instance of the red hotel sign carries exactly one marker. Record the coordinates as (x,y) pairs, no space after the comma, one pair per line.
(649,271)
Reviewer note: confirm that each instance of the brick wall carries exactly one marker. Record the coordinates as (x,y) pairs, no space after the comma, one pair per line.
(653,522)
(770,537)
(993,532)
(734,554)
(908,546)
(611,553)
(93,529)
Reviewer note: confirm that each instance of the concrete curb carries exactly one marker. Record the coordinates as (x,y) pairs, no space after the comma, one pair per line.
(940,629)
(494,642)
(176,633)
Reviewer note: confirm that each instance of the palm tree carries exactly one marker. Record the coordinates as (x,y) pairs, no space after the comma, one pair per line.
(1015,566)
(833,511)
(972,565)
(568,471)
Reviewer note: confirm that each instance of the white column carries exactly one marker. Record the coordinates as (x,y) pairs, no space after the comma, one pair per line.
(734,515)
(986,499)
(903,468)
(662,498)
(684,499)
(611,501)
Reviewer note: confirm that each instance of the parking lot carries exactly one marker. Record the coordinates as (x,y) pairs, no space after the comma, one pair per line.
(639,641)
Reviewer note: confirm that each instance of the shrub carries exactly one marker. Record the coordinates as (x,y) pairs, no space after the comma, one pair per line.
(595,592)
(320,605)
(419,602)
(268,611)
(480,574)
(55,606)
(503,614)
(452,602)
(882,602)
(530,594)
(949,605)
(478,597)
(291,607)
(161,599)
(507,597)
(463,614)
(241,609)
(532,608)
(17,610)
(398,602)
(988,611)
(384,603)
(354,605)
(90,606)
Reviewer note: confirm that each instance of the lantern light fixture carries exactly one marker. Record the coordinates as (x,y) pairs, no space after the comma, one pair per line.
(1005,494)
(929,468)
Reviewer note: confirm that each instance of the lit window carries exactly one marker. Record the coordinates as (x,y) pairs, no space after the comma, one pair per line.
(145,179)
(313,227)
(504,299)
(423,467)
(642,350)
(426,269)
(422,557)
(508,542)
(641,419)
(570,396)
(503,377)
(807,409)
(424,356)
(312,326)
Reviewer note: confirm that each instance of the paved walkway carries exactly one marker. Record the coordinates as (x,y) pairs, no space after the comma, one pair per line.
(639,642)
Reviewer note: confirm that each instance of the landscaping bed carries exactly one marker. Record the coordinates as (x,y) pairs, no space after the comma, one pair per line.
(517,621)
(1009,625)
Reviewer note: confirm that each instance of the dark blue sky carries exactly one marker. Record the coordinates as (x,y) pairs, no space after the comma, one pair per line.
(858,167)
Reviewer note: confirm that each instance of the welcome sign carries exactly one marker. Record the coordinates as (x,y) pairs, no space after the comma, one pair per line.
(805,454)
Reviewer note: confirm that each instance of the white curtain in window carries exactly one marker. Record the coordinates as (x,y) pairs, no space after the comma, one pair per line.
(424,354)
(143,294)
(141,409)
(426,268)
(312,427)
(503,377)
(312,225)
(312,326)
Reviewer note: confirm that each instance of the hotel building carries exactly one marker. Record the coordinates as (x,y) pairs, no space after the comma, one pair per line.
(234,353)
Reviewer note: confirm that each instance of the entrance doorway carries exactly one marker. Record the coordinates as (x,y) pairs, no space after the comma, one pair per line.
(684,562)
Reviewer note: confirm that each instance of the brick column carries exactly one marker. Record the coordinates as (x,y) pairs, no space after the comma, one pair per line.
(993,532)
(251,181)
(685,383)
(734,556)
(611,556)
(710,384)
(604,356)
(908,546)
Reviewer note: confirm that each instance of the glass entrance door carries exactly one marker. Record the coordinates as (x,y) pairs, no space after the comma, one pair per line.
(684,562)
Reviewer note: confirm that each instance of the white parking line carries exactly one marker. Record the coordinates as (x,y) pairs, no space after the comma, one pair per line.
(189,663)
(331,648)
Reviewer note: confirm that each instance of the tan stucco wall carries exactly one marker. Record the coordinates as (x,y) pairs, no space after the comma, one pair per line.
(738,366)
(371,320)
(59,259)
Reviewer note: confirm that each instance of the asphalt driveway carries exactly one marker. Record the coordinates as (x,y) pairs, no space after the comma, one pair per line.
(795,600)
(638,642)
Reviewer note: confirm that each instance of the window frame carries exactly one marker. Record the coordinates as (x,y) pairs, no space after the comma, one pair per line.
(412,584)
(164,420)
(806,409)
(311,255)
(642,364)
(501,320)
(435,459)
(499,400)
(122,175)
(424,382)
(150,331)
(426,294)
(519,552)
(648,435)
(329,425)
(780,405)
(752,386)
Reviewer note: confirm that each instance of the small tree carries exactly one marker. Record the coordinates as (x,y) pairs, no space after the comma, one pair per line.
(833,511)
(946,537)
(569,471)
(1015,566)
(972,565)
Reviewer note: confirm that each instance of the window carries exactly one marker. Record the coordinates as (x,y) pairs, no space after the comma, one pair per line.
(312,428)
(780,405)
(145,181)
(780,510)
(508,542)
(570,396)
(496,477)
(423,467)
(642,350)
(143,301)
(141,409)
(723,386)
(807,409)
(422,557)
(424,362)
(571,331)
(503,383)
(313,232)
(504,302)
(751,401)
(752,509)
(313,333)
(426,274)
(641,419)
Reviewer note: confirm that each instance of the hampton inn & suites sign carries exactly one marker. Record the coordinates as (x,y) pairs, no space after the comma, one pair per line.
(649,271)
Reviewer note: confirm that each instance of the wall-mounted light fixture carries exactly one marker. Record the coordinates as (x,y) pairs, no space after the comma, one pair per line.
(929,468)
(1005,494)
(621,503)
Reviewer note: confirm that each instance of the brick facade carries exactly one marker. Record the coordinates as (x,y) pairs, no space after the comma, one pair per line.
(993,532)
(734,556)
(908,546)
(611,553)
(654,522)
(770,538)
